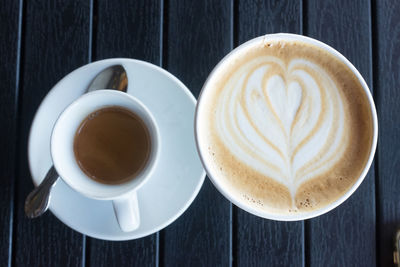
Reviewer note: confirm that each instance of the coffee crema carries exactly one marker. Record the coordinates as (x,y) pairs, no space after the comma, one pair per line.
(112,145)
(286,126)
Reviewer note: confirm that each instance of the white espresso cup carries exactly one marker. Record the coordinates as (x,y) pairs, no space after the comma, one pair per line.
(123,196)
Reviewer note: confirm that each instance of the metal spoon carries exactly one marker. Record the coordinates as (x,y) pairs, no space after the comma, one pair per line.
(396,253)
(38,201)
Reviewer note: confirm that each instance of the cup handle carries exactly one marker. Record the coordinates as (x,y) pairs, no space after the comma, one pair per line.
(127,212)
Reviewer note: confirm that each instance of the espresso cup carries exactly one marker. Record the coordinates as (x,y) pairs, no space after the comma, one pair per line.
(124,195)
(286,127)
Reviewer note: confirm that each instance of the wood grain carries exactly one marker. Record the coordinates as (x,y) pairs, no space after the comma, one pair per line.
(261,242)
(55,42)
(132,30)
(255,18)
(127,29)
(9,70)
(141,252)
(387,83)
(198,35)
(346,235)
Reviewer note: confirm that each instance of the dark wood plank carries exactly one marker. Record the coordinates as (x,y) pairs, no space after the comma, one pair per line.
(261,242)
(346,235)
(126,29)
(198,36)
(387,83)
(9,75)
(140,252)
(255,18)
(56,40)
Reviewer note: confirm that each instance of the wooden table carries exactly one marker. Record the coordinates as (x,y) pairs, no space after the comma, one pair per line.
(43,40)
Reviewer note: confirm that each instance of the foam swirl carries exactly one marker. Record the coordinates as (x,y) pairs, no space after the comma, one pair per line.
(284,120)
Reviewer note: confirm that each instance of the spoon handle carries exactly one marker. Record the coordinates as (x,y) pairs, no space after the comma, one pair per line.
(396,253)
(38,200)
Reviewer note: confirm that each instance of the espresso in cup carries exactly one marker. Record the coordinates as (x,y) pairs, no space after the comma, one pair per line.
(285,127)
(112,145)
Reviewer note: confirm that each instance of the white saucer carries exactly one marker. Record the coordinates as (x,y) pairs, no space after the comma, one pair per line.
(178,177)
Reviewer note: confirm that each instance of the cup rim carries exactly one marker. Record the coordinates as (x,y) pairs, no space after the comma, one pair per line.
(306,215)
(126,188)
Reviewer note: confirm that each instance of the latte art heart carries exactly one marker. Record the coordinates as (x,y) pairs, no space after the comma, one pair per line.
(286,122)
(284,127)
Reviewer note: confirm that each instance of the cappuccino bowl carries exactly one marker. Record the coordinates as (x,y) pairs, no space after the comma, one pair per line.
(286,127)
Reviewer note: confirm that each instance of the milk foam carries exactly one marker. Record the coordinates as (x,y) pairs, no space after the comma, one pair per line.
(284,126)
(285,122)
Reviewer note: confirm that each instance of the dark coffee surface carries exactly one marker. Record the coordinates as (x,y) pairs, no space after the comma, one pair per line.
(112,145)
